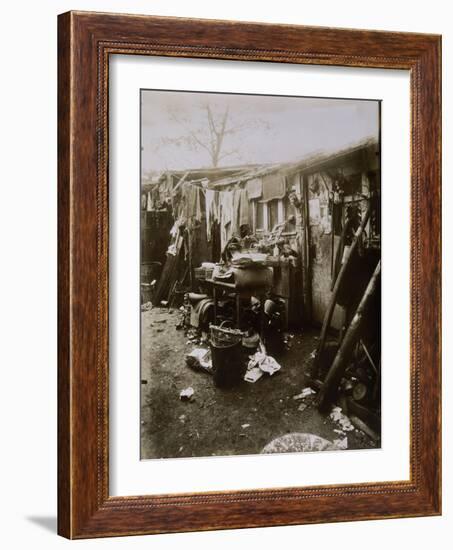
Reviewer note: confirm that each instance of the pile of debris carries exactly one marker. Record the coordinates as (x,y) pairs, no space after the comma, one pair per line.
(247,367)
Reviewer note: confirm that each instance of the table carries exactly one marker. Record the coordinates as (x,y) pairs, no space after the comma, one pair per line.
(219,286)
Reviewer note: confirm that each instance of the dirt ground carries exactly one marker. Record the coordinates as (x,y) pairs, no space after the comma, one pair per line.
(215,421)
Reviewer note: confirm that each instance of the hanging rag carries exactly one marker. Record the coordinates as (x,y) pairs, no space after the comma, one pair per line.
(149,202)
(193,202)
(215,208)
(209,200)
(244,208)
(255,188)
(235,212)
(198,213)
(226,216)
(183,206)
(274,187)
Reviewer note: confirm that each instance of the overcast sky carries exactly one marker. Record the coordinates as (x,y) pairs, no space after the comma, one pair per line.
(264,129)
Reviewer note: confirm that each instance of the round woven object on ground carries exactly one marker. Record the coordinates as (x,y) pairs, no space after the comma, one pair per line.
(298,443)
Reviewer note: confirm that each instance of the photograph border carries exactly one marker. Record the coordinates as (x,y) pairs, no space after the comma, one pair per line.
(85,42)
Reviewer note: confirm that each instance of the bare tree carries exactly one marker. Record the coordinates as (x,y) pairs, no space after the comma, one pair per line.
(210,128)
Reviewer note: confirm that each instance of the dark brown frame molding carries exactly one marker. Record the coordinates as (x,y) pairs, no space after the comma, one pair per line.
(85,42)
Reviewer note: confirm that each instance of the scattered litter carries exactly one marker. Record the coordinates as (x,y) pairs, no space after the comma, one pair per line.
(198,353)
(182,418)
(244,426)
(287,340)
(147,306)
(253,374)
(304,393)
(186,394)
(269,365)
(337,416)
(160,321)
(200,358)
(339,432)
(164,303)
(302,407)
(260,363)
(181,448)
(313,354)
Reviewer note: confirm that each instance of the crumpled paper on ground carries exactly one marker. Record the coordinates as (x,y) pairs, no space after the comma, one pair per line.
(337,416)
(186,394)
(260,363)
(304,393)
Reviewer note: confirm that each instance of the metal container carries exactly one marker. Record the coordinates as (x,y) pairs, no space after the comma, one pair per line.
(228,364)
(250,277)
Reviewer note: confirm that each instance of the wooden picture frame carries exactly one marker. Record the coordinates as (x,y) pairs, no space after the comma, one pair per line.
(85,42)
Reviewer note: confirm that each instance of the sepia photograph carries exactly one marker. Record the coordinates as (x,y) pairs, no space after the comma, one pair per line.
(260,274)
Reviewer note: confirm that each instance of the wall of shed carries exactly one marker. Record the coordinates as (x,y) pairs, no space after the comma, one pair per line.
(322,246)
(320,222)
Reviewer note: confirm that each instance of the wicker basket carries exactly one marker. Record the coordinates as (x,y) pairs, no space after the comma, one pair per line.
(222,336)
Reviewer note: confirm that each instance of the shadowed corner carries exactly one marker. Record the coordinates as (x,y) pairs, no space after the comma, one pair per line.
(49,523)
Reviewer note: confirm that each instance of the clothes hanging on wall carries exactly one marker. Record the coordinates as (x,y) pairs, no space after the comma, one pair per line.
(240,211)
(274,187)
(197,213)
(244,208)
(193,202)
(149,202)
(226,216)
(254,188)
(209,200)
(190,204)
(235,213)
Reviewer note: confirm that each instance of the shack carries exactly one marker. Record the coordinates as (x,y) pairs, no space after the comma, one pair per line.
(257,253)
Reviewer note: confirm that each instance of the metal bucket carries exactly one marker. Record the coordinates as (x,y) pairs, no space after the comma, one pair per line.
(228,364)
